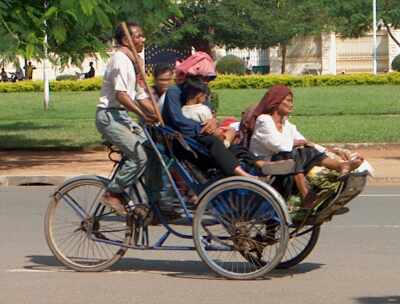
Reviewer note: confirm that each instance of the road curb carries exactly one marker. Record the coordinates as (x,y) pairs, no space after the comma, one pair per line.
(32,180)
(52,180)
(384,180)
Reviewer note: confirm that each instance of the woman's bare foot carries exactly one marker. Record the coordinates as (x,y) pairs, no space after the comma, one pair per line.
(310,200)
(113,201)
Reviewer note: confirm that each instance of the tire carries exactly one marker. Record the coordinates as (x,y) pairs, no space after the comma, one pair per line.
(250,221)
(300,253)
(85,235)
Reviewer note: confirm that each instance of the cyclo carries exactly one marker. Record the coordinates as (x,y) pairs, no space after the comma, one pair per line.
(241,227)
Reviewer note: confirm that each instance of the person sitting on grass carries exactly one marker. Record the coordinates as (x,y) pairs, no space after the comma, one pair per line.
(91,73)
(274,138)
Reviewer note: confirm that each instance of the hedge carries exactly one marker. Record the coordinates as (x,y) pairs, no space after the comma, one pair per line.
(222,82)
(62,85)
(396,63)
(231,64)
(265,81)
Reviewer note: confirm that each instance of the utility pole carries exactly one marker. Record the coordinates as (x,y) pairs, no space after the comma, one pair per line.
(375,60)
(45,76)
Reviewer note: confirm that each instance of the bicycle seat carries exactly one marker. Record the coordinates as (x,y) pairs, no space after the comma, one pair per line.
(113,148)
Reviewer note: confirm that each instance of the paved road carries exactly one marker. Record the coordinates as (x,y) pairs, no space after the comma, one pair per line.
(357,260)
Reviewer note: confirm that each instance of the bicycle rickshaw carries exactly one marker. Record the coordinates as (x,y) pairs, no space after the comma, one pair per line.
(241,227)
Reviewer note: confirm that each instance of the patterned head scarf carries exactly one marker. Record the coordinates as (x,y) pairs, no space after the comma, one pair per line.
(271,100)
(198,64)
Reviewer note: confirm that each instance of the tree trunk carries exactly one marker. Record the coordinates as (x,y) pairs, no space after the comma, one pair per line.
(390,33)
(284,51)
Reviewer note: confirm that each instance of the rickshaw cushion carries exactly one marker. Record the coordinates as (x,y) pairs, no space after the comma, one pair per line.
(192,143)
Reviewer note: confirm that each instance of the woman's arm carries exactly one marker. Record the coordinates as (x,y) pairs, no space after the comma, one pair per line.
(298,138)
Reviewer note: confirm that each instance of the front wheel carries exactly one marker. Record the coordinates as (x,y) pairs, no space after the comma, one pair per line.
(79,229)
(300,245)
(239,229)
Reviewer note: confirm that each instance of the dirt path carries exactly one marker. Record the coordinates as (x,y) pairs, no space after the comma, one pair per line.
(385,159)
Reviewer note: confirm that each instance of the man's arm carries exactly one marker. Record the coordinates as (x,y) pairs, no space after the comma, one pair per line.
(131,106)
(128,103)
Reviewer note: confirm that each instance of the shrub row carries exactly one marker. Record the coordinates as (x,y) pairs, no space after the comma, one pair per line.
(231,65)
(265,81)
(55,86)
(223,82)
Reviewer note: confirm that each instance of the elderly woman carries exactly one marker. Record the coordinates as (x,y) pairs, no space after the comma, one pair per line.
(272,136)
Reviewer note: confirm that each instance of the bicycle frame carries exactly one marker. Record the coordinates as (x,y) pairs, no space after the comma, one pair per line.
(187,218)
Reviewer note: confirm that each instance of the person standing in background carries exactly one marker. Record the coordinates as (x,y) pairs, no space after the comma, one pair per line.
(29,70)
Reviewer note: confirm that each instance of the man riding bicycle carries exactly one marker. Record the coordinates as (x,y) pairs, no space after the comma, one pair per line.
(121,93)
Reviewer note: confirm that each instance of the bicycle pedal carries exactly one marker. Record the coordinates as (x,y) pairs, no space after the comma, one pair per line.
(143,215)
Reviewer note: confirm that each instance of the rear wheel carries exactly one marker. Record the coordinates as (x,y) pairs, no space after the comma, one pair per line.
(79,228)
(300,245)
(239,229)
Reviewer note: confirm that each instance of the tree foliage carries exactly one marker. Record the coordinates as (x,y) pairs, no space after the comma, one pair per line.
(354,18)
(74,28)
(204,24)
(80,27)
(241,23)
(231,64)
(148,13)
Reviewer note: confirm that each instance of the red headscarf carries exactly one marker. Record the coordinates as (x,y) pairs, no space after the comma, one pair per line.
(271,100)
(198,64)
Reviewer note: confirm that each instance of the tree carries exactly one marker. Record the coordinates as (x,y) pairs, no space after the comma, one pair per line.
(241,23)
(354,18)
(390,16)
(66,30)
(150,14)
(288,19)
(73,28)
(205,24)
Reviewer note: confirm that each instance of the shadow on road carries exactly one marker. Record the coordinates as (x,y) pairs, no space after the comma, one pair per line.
(178,269)
(379,300)
(277,273)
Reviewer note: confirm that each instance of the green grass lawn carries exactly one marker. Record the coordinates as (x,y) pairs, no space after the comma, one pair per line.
(328,114)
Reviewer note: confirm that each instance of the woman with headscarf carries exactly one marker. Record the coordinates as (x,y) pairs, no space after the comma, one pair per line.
(270,135)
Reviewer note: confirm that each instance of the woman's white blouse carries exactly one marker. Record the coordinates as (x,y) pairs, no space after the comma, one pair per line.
(267,140)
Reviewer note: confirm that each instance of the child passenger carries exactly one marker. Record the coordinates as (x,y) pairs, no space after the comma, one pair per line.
(196,94)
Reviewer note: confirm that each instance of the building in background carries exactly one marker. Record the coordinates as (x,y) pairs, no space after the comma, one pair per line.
(324,54)
(331,54)
(327,53)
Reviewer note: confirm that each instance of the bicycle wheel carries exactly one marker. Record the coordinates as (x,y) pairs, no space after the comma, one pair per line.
(239,229)
(79,228)
(300,245)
